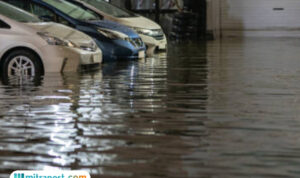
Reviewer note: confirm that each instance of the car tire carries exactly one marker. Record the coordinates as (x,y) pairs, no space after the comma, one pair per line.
(21,63)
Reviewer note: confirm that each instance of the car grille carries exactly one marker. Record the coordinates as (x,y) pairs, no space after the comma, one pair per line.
(158,37)
(158,34)
(137,42)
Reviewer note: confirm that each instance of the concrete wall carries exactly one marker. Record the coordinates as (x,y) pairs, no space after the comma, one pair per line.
(254,17)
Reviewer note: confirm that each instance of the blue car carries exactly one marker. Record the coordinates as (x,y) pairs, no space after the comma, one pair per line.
(116,41)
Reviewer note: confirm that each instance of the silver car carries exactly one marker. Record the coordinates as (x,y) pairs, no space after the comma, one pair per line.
(29,47)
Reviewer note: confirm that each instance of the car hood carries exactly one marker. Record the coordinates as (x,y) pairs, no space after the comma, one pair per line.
(139,22)
(116,27)
(62,32)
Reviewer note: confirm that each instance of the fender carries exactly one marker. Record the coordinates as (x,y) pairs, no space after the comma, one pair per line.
(21,45)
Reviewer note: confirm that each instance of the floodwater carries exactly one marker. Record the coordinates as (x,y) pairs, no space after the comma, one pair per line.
(223,109)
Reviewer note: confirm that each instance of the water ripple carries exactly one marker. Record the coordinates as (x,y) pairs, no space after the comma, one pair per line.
(222,109)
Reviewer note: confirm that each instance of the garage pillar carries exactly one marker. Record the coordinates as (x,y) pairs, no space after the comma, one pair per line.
(199,7)
(157,10)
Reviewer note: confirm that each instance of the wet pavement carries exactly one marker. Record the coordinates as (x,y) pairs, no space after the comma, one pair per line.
(223,109)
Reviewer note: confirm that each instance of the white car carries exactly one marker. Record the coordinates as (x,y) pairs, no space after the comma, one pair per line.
(150,32)
(29,47)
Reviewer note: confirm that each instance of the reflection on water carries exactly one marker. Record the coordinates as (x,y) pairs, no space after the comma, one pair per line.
(221,109)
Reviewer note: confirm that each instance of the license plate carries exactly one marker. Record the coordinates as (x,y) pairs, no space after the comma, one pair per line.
(142,54)
(96,58)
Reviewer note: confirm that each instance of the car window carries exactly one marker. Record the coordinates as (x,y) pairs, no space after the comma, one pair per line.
(42,12)
(73,10)
(64,21)
(16,13)
(109,8)
(3,25)
(17,3)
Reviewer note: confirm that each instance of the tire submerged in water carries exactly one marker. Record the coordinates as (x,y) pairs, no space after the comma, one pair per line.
(21,63)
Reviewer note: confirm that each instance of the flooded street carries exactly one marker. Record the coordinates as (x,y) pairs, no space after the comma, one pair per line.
(223,109)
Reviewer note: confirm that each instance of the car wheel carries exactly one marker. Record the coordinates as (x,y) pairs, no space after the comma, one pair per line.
(21,63)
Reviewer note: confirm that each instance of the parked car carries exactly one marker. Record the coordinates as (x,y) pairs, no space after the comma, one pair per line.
(116,41)
(150,32)
(29,47)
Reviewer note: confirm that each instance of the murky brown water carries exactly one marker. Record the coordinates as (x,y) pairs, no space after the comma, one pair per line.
(222,109)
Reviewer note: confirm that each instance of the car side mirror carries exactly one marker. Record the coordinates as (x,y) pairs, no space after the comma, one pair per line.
(46,18)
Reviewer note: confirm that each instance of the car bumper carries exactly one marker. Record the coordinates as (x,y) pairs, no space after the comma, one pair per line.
(116,50)
(90,58)
(154,44)
(135,55)
(65,59)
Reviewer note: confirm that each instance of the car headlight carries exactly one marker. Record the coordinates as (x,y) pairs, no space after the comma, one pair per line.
(52,40)
(148,32)
(89,47)
(113,34)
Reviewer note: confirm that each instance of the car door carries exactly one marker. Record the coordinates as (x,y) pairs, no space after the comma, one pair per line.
(5,34)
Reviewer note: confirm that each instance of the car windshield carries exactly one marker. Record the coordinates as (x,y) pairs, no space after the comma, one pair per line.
(17,14)
(109,8)
(72,10)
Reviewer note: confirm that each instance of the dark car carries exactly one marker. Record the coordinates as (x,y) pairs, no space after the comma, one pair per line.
(116,41)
